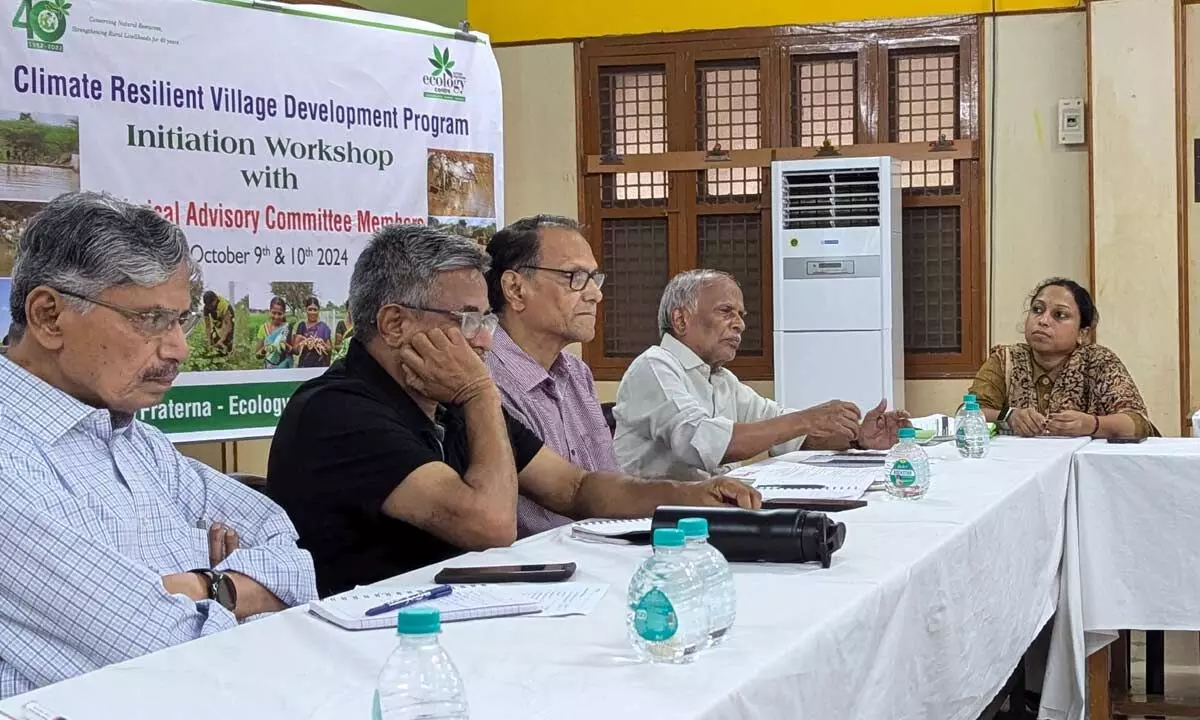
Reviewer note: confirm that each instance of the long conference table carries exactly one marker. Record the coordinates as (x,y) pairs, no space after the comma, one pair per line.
(924,613)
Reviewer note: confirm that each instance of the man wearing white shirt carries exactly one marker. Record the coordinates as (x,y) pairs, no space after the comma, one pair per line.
(681,414)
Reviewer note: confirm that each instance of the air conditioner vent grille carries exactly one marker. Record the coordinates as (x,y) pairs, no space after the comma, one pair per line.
(822,199)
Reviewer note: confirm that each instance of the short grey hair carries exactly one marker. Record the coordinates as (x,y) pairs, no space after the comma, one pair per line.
(399,266)
(86,242)
(683,292)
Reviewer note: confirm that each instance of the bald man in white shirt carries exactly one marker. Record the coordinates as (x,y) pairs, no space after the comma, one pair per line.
(681,414)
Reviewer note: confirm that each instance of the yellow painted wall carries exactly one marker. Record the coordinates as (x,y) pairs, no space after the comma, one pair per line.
(1041,188)
(510,21)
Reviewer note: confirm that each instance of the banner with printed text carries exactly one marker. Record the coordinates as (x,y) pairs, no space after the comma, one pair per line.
(278,137)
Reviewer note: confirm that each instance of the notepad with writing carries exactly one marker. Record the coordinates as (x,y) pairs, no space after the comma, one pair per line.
(466,602)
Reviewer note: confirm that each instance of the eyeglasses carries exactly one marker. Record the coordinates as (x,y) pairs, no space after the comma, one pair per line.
(151,323)
(471,321)
(578,278)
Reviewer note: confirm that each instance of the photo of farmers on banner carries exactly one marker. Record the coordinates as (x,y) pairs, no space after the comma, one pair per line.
(277,164)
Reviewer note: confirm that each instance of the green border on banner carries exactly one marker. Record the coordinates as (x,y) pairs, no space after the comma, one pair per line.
(236,406)
(449,34)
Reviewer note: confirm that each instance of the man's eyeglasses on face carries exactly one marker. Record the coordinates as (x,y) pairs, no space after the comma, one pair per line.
(151,323)
(577,278)
(471,321)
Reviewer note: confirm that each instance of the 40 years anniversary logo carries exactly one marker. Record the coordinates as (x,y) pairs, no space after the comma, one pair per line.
(44,22)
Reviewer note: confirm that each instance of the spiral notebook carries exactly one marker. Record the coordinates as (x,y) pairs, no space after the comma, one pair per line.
(466,602)
(616,532)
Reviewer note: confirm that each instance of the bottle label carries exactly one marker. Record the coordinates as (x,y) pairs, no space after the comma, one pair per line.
(376,708)
(960,438)
(902,474)
(654,617)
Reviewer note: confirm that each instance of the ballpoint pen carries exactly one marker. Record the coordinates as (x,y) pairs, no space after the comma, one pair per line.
(431,594)
(790,487)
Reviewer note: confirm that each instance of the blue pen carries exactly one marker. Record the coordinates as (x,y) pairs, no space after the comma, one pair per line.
(432,594)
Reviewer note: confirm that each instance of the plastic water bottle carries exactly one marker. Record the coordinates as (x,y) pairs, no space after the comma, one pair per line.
(976,437)
(960,417)
(906,469)
(716,578)
(419,681)
(667,619)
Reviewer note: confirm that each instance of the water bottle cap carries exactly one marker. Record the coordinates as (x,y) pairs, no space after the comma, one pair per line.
(668,537)
(970,397)
(418,621)
(693,527)
(907,433)
(971,405)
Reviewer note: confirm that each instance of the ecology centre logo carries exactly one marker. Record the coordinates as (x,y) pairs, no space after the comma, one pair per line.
(44,23)
(443,83)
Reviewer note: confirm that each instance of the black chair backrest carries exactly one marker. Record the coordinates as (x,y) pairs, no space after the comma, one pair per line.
(607,408)
(258,482)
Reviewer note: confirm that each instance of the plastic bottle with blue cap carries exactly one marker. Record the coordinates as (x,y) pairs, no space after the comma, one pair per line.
(975,435)
(666,617)
(960,418)
(419,681)
(716,578)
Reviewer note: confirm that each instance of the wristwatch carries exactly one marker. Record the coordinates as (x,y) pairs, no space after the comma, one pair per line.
(1002,418)
(220,588)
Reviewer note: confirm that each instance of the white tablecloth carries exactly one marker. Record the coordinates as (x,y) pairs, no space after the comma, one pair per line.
(1130,556)
(923,614)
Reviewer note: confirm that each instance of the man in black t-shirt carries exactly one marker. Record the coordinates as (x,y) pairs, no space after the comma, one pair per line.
(401,456)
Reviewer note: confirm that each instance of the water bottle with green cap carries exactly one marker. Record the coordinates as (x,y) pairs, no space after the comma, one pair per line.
(419,680)
(667,617)
(715,578)
(976,436)
(960,418)
(906,469)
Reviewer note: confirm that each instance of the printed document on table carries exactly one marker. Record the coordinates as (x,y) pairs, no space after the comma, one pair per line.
(813,482)
(563,598)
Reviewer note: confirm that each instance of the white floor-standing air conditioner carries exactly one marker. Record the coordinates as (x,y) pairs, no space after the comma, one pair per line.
(839,329)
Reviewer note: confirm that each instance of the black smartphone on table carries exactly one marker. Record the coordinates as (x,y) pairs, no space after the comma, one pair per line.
(1126,441)
(546,572)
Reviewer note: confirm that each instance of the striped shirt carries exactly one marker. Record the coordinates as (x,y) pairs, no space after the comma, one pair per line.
(560,406)
(95,508)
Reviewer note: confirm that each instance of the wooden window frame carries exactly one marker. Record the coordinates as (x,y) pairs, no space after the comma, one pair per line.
(871,43)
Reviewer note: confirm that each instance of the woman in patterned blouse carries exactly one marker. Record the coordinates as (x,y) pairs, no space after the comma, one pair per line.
(1059,382)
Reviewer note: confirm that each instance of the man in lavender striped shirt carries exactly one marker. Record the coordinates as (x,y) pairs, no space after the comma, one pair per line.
(545,287)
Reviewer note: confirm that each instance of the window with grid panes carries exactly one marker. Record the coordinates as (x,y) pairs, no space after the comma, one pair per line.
(824,100)
(648,226)
(924,105)
(917,95)
(753,89)
(633,121)
(729,219)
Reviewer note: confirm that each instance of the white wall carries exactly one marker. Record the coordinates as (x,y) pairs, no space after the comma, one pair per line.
(1135,196)
(1039,206)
